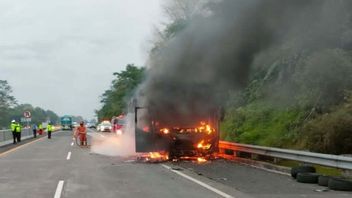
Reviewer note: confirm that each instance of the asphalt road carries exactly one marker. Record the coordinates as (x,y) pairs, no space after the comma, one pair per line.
(56,168)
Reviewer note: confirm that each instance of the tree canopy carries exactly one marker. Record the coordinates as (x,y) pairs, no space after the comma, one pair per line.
(7,101)
(114,100)
(9,109)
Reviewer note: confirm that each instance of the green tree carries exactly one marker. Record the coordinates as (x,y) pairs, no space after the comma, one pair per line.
(7,101)
(9,109)
(38,114)
(179,13)
(115,99)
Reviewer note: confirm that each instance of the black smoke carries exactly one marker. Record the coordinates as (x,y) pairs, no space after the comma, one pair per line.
(192,74)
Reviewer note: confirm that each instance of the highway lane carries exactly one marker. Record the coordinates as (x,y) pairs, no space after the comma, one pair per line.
(258,182)
(124,177)
(35,170)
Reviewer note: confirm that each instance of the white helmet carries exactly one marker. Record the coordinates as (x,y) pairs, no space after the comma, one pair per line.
(13,121)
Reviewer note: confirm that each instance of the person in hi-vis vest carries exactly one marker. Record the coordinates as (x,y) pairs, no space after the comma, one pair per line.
(13,130)
(18,131)
(49,128)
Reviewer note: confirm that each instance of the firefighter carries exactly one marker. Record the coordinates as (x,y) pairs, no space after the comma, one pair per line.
(13,130)
(18,130)
(49,128)
(81,132)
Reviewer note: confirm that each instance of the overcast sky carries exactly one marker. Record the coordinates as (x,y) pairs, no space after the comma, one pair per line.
(60,55)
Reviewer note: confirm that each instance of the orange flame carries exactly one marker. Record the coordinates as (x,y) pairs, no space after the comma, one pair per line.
(201,145)
(165,130)
(201,159)
(204,128)
(158,156)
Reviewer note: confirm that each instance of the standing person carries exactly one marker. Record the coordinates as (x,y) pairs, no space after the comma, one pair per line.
(114,123)
(40,127)
(34,128)
(81,132)
(18,131)
(49,129)
(13,130)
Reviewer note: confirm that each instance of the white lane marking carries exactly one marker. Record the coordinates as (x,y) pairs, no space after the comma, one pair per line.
(72,143)
(68,155)
(59,188)
(199,182)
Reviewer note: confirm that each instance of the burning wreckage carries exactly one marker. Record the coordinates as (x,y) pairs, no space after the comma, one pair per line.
(164,138)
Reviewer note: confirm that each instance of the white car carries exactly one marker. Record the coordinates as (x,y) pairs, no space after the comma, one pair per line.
(105,127)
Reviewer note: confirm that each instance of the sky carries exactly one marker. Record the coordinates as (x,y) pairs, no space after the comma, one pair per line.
(60,55)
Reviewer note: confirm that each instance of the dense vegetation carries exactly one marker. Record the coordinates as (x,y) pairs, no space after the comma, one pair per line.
(295,91)
(116,99)
(308,109)
(9,109)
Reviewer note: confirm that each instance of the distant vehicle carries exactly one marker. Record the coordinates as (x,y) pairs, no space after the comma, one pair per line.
(66,122)
(105,126)
(90,125)
(75,124)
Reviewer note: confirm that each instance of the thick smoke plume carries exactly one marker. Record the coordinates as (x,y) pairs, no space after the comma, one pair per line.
(192,73)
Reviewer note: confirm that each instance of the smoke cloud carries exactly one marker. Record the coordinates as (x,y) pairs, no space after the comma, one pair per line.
(116,145)
(192,73)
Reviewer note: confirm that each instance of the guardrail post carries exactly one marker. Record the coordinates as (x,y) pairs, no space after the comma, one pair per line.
(254,156)
(276,160)
(347,173)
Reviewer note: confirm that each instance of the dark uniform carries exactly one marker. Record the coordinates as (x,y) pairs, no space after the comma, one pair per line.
(34,130)
(50,129)
(18,132)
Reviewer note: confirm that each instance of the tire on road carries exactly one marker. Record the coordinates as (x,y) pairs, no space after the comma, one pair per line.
(323,180)
(310,178)
(302,169)
(340,184)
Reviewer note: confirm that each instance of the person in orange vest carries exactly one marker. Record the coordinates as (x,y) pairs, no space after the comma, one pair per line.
(81,132)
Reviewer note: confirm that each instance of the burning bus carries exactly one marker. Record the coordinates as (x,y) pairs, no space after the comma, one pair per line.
(179,135)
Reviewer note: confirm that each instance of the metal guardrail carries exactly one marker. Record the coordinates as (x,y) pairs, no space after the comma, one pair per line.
(334,161)
(6,135)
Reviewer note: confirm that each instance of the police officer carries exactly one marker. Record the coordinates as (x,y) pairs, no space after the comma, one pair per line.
(49,129)
(13,130)
(18,131)
(34,128)
(40,127)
